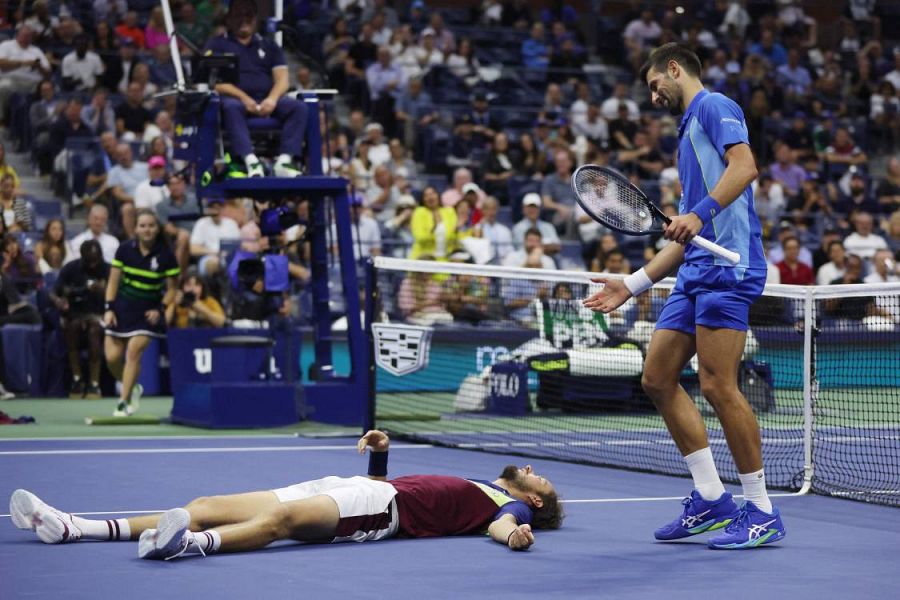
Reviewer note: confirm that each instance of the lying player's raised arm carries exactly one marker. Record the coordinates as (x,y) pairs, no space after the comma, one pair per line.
(505,531)
(378,442)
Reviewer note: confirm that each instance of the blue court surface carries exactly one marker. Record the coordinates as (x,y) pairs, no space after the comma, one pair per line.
(834,548)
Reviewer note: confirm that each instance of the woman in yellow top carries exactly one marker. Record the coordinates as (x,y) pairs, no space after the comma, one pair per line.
(433,227)
(193,307)
(6,168)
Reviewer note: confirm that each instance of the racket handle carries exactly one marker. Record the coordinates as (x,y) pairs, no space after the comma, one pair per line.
(713,248)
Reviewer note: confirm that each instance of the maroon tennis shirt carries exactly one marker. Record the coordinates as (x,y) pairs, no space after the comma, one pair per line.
(438,505)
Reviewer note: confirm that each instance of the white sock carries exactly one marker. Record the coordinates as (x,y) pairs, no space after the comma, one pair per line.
(283,159)
(110,530)
(706,477)
(754,485)
(205,542)
(251,159)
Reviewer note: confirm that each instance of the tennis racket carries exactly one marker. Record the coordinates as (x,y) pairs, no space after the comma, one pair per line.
(609,198)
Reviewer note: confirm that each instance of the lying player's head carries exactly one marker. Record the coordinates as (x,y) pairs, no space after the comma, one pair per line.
(538,492)
(666,71)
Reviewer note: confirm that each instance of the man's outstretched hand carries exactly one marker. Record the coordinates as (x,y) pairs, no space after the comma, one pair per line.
(521,538)
(378,441)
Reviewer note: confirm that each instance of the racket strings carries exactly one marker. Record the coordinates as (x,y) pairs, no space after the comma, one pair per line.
(617,204)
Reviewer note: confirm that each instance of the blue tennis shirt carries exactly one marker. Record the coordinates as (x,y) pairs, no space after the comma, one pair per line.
(712,124)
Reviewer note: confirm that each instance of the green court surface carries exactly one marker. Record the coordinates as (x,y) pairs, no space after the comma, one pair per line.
(66,418)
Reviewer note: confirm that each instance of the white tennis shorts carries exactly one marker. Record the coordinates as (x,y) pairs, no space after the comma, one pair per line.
(367,508)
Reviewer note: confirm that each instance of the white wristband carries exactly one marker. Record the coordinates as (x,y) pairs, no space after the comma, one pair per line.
(638,282)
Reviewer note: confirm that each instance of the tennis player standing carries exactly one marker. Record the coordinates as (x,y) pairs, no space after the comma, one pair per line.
(708,309)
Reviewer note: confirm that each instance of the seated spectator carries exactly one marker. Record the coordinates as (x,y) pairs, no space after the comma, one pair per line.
(794,272)
(383,194)
(97,219)
(528,158)
(888,192)
(893,232)
(463,143)
(591,125)
(769,201)
(400,164)
(835,267)
(365,231)
(433,227)
(421,298)
(499,168)
(444,40)
(119,66)
(622,130)
(155,31)
(461,178)
(177,215)
(161,69)
(644,159)
(194,306)
(335,48)
(557,194)
(567,63)
(379,152)
(794,79)
(464,64)
(23,66)
(812,199)
(884,269)
(769,48)
(639,36)
(130,29)
(386,80)
(799,139)
(152,190)
(361,167)
(41,117)
(484,125)
(140,75)
(498,234)
(260,92)
(856,195)
(67,127)
(414,111)
(531,254)
(361,54)
(785,171)
(122,183)
(80,296)
(863,242)
(104,160)
(192,28)
(16,210)
(535,51)
(99,115)
(531,213)
(19,267)
(51,251)
(607,245)
(776,252)
(207,235)
(41,21)
(821,254)
(469,298)
(843,150)
(82,67)
(612,106)
(850,307)
(131,115)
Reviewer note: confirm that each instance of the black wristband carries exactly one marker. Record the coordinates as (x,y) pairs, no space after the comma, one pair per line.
(510,535)
(107,306)
(378,464)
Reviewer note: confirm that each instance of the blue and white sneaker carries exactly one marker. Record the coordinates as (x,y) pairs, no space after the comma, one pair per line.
(699,516)
(751,528)
(171,538)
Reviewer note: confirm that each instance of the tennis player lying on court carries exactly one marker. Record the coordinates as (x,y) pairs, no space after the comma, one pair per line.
(333,509)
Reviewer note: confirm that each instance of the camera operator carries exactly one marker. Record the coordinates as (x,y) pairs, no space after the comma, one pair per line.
(79,295)
(193,306)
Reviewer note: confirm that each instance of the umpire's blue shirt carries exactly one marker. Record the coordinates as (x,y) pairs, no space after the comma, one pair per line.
(712,124)
(255,62)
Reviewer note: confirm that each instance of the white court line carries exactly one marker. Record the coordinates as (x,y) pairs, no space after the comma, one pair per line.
(199,450)
(265,436)
(584,501)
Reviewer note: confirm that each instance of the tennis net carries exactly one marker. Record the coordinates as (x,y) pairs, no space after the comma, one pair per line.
(508,360)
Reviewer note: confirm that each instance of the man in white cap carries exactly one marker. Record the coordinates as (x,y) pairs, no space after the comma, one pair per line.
(531,219)
(379,151)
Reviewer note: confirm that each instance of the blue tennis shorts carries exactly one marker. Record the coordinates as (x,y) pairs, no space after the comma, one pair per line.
(711,296)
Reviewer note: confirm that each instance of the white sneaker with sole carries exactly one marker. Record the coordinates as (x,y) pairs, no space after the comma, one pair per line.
(52,526)
(255,169)
(134,401)
(170,539)
(286,169)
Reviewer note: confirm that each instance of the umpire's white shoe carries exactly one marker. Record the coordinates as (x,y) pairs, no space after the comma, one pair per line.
(170,539)
(52,526)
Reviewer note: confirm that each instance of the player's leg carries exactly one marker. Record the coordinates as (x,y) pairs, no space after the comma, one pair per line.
(709,506)
(114,349)
(312,519)
(134,349)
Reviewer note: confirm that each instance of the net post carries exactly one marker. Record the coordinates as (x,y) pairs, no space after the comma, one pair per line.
(371,304)
(808,374)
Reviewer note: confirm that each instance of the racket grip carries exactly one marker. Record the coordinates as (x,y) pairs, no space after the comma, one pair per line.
(713,248)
